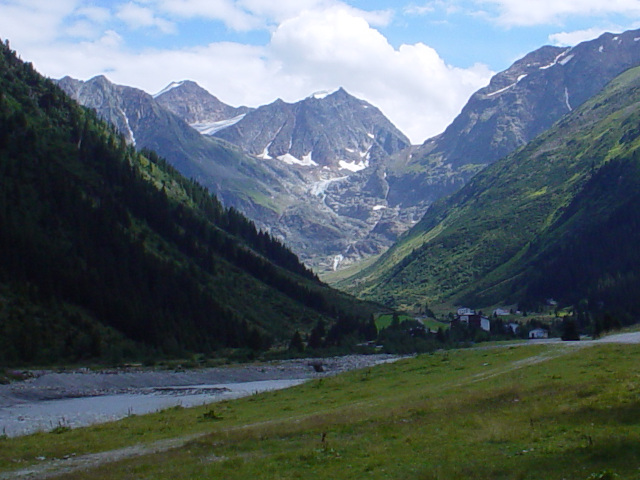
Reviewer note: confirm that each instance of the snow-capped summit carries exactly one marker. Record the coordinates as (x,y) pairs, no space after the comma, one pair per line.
(169,87)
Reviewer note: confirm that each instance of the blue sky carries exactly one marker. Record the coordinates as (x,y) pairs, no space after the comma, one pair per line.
(418,61)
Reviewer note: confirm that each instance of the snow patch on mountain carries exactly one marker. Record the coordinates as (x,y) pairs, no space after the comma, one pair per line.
(319,188)
(169,87)
(353,166)
(556,60)
(322,94)
(265,153)
(566,59)
(566,99)
(291,160)
(501,90)
(212,127)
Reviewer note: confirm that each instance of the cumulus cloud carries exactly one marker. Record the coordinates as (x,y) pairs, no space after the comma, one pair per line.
(569,39)
(285,9)
(411,84)
(34,21)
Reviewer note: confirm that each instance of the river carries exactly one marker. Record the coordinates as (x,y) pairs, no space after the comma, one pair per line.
(30,417)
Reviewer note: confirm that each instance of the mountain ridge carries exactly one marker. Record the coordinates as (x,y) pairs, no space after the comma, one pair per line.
(517,105)
(108,253)
(329,211)
(499,238)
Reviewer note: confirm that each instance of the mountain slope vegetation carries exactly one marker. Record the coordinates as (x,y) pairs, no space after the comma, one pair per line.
(108,252)
(556,219)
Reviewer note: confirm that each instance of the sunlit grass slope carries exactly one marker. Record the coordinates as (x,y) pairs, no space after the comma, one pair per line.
(529,412)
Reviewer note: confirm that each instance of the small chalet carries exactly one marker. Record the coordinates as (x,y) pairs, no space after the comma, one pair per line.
(470,317)
(537,333)
(501,312)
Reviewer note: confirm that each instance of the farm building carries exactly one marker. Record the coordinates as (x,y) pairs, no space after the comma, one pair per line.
(538,333)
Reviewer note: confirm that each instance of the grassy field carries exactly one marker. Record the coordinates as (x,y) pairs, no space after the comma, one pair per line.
(383,321)
(528,412)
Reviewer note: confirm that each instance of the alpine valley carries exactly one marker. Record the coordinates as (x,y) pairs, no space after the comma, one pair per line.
(330,175)
(556,219)
(530,194)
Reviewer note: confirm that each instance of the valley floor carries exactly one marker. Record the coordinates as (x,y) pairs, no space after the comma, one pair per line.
(554,410)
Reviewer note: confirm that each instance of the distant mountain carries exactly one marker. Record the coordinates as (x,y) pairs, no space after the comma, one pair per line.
(107,253)
(556,219)
(516,106)
(313,173)
(197,107)
(333,130)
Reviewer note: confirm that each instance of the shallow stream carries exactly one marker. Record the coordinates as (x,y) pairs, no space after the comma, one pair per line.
(30,417)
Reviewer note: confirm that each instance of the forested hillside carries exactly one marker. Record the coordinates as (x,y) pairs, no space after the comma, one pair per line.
(107,253)
(556,219)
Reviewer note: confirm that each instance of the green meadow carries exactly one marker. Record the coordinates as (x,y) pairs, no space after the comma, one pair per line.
(528,412)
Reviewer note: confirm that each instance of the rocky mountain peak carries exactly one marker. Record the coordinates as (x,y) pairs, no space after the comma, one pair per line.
(326,130)
(196,106)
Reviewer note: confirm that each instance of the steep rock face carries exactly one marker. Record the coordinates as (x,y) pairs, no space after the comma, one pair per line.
(336,130)
(517,105)
(201,110)
(235,177)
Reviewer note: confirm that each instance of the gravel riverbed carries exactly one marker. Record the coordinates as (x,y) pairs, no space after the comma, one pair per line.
(82,397)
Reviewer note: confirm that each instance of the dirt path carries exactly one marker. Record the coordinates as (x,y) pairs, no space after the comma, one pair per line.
(59,467)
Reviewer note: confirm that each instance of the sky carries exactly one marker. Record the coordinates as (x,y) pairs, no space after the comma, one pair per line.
(418,61)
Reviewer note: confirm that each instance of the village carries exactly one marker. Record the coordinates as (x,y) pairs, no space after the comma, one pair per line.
(470,317)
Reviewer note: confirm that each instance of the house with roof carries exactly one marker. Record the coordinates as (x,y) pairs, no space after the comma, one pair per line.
(538,333)
(473,319)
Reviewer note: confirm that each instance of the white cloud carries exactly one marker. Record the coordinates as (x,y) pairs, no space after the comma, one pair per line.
(136,16)
(411,84)
(522,13)
(34,21)
(569,39)
(95,14)
(227,11)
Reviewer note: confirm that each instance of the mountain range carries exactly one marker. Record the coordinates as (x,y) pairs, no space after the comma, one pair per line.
(518,104)
(330,175)
(311,173)
(530,195)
